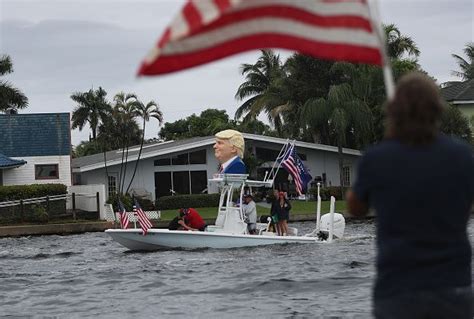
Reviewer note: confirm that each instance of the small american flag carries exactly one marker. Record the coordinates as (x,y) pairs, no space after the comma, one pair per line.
(145,223)
(123,215)
(294,165)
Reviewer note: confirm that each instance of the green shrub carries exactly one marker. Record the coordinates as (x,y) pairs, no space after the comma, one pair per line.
(127,201)
(38,214)
(195,200)
(31,212)
(17,192)
(327,192)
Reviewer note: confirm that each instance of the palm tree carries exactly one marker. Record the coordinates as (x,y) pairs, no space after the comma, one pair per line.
(466,66)
(146,112)
(398,44)
(261,87)
(11,98)
(92,108)
(125,112)
(342,115)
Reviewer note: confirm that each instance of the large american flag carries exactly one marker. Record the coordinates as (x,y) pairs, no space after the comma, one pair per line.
(145,223)
(123,215)
(294,165)
(207,30)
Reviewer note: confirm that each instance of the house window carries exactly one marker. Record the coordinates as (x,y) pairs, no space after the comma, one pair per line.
(181,159)
(266,155)
(346,173)
(198,182)
(112,185)
(46,171)
(181,182)
(198,157)
(163,162)
(162,184)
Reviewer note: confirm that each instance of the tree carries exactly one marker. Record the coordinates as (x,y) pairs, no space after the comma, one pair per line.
(146,112)
(208,123)
(399,45)
(466,65)
(342,114)
(11,98)
(455,123)
(92,108)
(261,88)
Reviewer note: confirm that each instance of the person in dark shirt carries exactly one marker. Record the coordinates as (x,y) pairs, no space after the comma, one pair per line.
(281,208)
(191,220)
(421,185)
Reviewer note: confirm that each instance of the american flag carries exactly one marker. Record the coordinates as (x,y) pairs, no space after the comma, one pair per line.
(208,30)
(123,215)
(294,165)
(145,223)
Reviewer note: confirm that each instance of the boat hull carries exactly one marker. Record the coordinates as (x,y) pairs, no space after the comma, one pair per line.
(157,239)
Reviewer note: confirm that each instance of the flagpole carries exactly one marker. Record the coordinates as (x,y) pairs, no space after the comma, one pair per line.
(386,67)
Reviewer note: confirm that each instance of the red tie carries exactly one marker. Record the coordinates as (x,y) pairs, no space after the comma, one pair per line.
(221,169)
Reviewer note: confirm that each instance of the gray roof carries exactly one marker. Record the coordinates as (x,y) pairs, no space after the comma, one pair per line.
(6,162)
(458,91)
(39,134)
(116,155)
(92,162)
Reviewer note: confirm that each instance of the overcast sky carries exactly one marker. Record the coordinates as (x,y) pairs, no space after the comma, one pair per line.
(59,47)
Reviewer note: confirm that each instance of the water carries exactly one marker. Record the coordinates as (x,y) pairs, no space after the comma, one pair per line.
(90,275)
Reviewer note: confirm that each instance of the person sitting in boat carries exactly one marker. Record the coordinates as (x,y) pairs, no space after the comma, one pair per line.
(250,212)
(191,220)
(229,151)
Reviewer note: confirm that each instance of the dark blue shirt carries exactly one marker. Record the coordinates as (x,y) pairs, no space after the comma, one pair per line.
(422,196)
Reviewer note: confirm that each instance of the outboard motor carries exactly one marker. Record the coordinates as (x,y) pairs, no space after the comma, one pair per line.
(339,224)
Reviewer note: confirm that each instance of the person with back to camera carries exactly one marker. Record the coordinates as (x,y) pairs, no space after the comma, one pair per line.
(421,185)
(191,220)
(229,151)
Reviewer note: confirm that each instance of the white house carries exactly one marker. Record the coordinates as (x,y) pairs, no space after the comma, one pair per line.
(35,149)
(184,166)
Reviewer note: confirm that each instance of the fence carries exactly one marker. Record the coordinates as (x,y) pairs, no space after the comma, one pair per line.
(43,209)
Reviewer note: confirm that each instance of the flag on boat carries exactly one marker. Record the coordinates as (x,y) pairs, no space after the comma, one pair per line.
(208,30)
(123,215)
(295,167)
(145,223)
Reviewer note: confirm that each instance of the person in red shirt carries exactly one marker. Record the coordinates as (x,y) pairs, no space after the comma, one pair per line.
(191,220)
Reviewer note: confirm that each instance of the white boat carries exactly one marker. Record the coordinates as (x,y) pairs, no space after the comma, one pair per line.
(230,229)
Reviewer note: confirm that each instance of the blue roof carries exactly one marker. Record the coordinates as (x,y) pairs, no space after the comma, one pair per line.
(6,162)
(41,134)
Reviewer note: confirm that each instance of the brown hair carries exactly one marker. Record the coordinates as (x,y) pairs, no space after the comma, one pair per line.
(414,114)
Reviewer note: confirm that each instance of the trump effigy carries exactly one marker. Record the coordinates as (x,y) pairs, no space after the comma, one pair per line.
(229,151)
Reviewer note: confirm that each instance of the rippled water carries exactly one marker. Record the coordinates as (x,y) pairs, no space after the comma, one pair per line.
(90,275)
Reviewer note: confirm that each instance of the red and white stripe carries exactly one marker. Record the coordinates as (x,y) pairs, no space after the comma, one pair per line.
(145,223)
(289,164)
(207,30)
(123,219)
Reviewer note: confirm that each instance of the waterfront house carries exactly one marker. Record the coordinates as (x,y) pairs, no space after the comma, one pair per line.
(35,149)
(184,166)
(461,95)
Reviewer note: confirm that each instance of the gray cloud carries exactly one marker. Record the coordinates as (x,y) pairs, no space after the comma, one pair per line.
(59,47)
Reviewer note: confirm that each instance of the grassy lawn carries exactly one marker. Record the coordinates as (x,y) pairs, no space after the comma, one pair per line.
(299,207)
